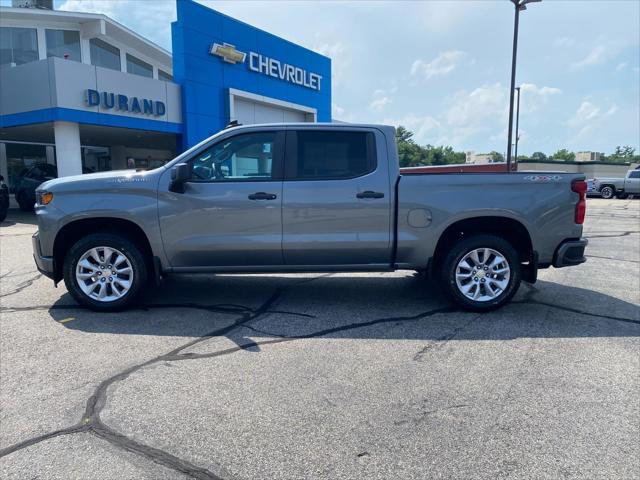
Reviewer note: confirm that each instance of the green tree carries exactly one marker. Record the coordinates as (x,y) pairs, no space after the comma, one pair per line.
(496,157)
(624,154)
(413,155)
(403,135)
(538,156)
(564,155)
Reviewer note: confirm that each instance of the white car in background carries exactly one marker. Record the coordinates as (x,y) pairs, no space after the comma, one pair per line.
(619,187)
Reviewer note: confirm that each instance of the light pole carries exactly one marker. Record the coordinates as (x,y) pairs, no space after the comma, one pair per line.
(517,125)
(519,5)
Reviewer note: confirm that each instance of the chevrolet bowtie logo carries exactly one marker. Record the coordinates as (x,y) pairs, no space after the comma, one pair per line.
(228,53)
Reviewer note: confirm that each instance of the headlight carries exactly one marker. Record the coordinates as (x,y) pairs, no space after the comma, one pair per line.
(44,198)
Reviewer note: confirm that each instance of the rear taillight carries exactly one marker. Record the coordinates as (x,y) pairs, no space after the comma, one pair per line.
(580,187)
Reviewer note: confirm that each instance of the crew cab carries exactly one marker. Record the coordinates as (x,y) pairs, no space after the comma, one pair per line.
(305,198)
(619,187)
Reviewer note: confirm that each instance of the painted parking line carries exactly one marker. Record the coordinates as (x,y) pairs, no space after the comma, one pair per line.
(68,319)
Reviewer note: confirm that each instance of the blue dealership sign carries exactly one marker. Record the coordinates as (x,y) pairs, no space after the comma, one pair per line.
(213,53)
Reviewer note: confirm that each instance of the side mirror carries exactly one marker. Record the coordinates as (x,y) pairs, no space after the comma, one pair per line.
(180,173)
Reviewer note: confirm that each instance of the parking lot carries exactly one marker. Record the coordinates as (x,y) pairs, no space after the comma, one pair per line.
(347,376)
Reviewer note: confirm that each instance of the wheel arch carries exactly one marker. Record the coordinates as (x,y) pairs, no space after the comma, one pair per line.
(73,231)
(615,189)
(512,230)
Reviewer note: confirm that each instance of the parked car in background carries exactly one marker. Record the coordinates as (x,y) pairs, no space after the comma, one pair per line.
(30,179)
(4,199)
(619,187)
(591,188)
(305,198)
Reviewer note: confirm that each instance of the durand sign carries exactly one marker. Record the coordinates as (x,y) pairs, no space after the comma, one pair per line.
(124,103)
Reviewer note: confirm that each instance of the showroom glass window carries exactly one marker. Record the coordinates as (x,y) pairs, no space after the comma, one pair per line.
(18,46)
(22,156)
(138,67)
(333,155)
(63,44)
(164,76)
(104,55)
(247,157)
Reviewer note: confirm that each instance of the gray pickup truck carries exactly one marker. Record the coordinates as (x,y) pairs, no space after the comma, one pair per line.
(305,198)
(619,187)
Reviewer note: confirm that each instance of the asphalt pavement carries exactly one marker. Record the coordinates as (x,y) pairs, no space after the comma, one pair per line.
(342,376)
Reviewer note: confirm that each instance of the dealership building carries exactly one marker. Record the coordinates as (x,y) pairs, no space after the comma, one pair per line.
(86,94)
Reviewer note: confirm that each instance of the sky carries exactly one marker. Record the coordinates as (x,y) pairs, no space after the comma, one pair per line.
(442,68)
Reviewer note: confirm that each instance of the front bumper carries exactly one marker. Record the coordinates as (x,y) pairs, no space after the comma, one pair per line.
(570,253)
(45,264)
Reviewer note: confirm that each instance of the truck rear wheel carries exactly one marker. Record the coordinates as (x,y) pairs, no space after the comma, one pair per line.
(607,192)
(104,271)
(481,273)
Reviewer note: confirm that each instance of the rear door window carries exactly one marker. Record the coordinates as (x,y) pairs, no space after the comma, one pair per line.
(329,154)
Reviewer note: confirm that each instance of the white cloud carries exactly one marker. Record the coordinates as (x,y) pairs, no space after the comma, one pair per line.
(621,66)
(589,119)
(612,110)
(340,59)
(380,104)
(564,42)
(381,99)
(596,56)
(586,112)
(474,109)
(151,19)
(443,64)
(543,92)
(534,97)
(426,129)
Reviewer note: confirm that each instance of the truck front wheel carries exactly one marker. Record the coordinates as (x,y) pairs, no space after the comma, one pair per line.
(481,273)
(104,271)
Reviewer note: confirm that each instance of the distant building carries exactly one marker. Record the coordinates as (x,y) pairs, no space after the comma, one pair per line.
(589,156)
(478,158)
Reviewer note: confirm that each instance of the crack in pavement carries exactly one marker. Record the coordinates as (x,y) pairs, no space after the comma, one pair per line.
(216,308)
(575,310)
(625,233)
(21,286)
(614,259)
(441,341)
(316,334)
(92,423)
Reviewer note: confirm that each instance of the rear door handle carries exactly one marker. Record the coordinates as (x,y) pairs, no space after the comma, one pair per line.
(262,196)
(370,194)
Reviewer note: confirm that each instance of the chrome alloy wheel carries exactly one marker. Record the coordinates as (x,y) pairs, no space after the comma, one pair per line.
(104,274)
(482,274)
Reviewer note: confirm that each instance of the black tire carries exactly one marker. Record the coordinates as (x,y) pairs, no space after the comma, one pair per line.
(23,202)
(457,253)
(113,240)
(622,196)
(607,192)
(3,213)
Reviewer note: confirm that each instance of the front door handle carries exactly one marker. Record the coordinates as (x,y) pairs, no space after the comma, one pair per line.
(370,194)
(262,196)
